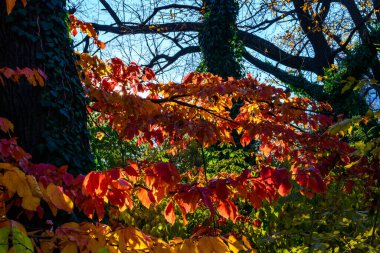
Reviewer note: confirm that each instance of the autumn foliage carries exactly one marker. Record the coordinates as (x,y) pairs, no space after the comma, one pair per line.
(136,105)
(296,153)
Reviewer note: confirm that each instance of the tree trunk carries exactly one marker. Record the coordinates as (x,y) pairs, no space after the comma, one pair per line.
(50,122)
(220,46)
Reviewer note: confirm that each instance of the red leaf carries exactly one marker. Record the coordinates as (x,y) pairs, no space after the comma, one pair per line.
(285,188)
(169,213)
(132,172)
(108,84)
(188,78)
(68,179)
(149,74)
(42,73)
(95,184)
(207,200)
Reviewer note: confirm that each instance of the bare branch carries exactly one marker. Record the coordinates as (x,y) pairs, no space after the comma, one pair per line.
(111,12)
(313,90)
(171,59)
(170,6)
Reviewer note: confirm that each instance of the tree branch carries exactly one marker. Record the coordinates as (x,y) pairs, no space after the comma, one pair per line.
(170,6)
(273,52)
(313,90)
(171,59)
(111,12)
(312,28)
(151,29)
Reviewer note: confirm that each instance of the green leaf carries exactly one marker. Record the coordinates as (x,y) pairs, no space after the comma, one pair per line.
(21,242)
(4,233)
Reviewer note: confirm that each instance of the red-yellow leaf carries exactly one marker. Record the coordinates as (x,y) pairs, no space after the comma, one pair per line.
(169,213)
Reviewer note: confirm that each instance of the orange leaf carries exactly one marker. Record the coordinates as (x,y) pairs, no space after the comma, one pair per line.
(265,149)
(146,197)
(10,5)
(227,209)
(169,213)
(70,248)
(29,75)
(38,77)
(6,125)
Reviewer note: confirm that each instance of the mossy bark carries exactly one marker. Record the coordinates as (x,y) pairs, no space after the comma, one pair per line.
(50,122)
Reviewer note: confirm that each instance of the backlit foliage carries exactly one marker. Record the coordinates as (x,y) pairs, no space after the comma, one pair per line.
(299,152)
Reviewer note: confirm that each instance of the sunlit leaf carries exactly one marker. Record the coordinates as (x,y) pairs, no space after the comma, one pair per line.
(59,198)
(169,212)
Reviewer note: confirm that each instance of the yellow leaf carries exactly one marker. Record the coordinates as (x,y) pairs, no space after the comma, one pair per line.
(346,87)
(234,245)
(59,198)
(188,246)
(343,126)
(132,239)
(360,84)
(14,180)
(212,245)
(99,135)
(6,166)
(30,202)
(34,187)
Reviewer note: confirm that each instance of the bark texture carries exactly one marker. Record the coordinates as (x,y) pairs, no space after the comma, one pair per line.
(50,122)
